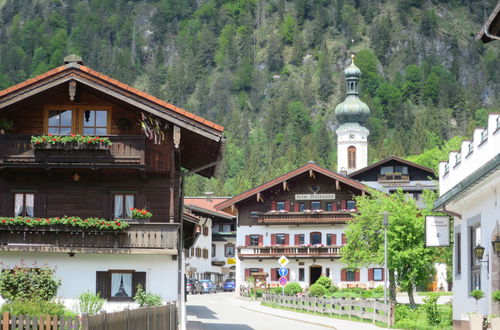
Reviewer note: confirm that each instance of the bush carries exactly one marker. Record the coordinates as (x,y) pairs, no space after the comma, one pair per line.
(477,294)
(144,298)
(317,290)
(326,282)
(277,290)
(89,303)
(495,296)
(35,307)
(431,310)
(28,284)
(333,288)
(292,289)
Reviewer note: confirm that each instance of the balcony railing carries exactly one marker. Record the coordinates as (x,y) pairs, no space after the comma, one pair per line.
(126,151)
(289,251)
(149,238)
(303,217)
(392,177)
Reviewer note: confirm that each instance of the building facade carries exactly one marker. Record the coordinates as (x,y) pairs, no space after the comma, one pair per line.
(47,180)
(469,183)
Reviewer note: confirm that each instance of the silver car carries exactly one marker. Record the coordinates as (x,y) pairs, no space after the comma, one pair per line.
(208,286)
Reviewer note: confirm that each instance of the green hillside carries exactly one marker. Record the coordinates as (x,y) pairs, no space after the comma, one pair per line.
(270,71)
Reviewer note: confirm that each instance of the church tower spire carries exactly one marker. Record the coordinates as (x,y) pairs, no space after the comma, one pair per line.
(352,135)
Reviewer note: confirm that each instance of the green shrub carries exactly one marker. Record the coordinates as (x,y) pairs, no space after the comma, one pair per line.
(333,288)
(89,303)
(317,290)
(28,283)
(292,289)
(495,296)
(35,307)
(431,310)
(277,290)
(326,282)
(144,298)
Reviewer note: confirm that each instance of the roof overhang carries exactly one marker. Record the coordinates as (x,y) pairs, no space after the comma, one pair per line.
(471,181)
(491,29)
(388,159)
(209,212)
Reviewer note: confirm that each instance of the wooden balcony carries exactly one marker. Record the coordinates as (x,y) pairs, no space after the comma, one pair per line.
(271,252)
(127,151)
(149,238)
(303,217)
(393,178)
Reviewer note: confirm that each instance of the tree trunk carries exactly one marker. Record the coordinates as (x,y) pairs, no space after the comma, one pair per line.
(410,297)
(392,285)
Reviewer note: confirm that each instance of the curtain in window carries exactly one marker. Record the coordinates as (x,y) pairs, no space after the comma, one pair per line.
(121,285)
(118,206)
(129,203)
(30,205)
(19,203)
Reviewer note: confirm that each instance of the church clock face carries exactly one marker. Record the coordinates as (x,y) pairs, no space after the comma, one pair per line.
(351,136)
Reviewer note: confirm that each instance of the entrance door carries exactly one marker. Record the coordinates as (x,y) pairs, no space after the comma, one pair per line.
(314,274)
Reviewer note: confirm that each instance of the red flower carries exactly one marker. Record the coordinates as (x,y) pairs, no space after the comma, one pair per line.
(3,220)
(28,220)
(144,211)
(108,224)
(50,134)
(118,224)
(131,209)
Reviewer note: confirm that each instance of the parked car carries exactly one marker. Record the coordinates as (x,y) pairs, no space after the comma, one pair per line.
(193,286)
(229,285)
(208,286)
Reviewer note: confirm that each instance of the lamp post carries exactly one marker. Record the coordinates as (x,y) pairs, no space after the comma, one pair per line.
(478,253)
(386,223)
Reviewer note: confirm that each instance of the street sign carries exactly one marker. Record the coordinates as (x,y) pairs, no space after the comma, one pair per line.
(437,230)
(283,271)
(231,261)
(283,280)
(283,261)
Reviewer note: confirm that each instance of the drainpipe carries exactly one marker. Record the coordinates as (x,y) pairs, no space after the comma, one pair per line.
(490,35)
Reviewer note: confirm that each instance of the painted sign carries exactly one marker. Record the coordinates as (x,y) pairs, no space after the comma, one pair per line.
(283,261)
(283,280)
(437,230)
(308,197)
(283,271)
(231,261)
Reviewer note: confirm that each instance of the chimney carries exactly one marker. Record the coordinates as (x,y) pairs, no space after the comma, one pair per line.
(73,59)
(209,195)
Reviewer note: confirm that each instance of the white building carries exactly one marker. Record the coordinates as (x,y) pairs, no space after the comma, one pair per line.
(469,185)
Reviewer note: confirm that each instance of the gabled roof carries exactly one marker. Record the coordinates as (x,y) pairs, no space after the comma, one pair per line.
(206,205)
(491,28)
(311,166)
(388,159)
(193,127)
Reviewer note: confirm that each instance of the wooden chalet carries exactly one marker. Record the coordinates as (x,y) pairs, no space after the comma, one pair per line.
(152,141)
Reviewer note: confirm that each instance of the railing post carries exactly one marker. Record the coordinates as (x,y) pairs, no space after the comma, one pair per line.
(6,319)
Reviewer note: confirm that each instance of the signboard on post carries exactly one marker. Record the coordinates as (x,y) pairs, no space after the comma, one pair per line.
(283,261)
(437,230)
(283,280)
(310,197)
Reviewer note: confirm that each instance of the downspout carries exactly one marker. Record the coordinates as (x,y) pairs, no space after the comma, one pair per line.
(490,35)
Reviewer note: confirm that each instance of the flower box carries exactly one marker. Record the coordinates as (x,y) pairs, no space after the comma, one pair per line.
(70,142)
(67,224)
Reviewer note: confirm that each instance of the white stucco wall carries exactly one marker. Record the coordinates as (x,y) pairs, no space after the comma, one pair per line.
(201,264)
(352,134)
(78,273)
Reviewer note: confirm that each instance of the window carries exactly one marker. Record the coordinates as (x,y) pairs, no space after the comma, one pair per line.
(458,158)
(205,230)
(378,274)
(302,207)
(327,272)
(254,270)
(386,170)
(351,275)
(471,148)
(351,157)
(213,250)
(119,284)
(329,207)
(95,122)
(123,204)
(351,205)
(60,122)
(24,205)
(329,240)
(301,239)
(401,169)
(315,238)
(446,168)
(458,253)
(229,250)
(475,271)
(254,240)
(280,206)
(226,228)
(484,135)
(198,252)
(315,205)
(280,239)
(205,253)
(302,273)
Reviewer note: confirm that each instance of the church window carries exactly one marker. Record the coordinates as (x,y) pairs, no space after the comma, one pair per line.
(351,157)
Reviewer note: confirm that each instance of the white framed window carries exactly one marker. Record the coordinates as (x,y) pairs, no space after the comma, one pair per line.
(121,285)
(122,206)
(378,274)
(24,204)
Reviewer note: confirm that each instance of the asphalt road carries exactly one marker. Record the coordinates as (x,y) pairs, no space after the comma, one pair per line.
(222,311)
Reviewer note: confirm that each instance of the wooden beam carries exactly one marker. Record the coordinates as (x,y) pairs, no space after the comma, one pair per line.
(260,198)
(362,193)
(285,186)
(337,184)
(311,174)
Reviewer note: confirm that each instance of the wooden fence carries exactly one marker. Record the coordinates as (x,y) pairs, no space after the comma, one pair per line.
(146,318)
(367,309)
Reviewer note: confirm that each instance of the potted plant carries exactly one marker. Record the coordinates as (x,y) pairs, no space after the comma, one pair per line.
(5,125)
(141,215)
(495,319)
(476,319)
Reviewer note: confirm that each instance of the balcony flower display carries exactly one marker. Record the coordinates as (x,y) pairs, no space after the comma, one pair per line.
(76,222)
(72,141)
(141,215)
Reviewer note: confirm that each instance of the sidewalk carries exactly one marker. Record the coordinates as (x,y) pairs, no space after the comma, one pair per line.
(328,322)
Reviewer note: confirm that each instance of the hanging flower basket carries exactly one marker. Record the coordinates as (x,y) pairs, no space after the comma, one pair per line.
(70,142)
(141,215)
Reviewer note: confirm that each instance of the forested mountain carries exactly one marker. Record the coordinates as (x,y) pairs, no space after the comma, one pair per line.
(271,71)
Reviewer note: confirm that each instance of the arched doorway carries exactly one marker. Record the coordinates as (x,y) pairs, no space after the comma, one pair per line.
(314,273)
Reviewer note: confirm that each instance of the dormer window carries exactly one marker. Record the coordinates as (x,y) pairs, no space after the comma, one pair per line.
(458,158)
(484,135)
(471,148)
(446,168)
(84,120)
(498,122)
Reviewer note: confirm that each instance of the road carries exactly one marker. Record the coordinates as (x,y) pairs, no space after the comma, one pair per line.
(222,311)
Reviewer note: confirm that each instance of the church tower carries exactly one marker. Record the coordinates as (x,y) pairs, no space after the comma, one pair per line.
(352,136)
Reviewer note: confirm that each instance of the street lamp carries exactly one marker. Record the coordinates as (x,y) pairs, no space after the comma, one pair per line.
(386,223)
(478,253)
(496,245)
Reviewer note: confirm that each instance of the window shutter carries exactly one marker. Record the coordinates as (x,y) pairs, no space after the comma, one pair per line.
(344,240)
(287,206)
(288,275)
(356,275)
(138,278)
(296,239)
(343,204)
(287,239)
(273,205)
(107,206)
(273,239)
(247,273)
(296,207)
(370,274)
(261,270)
(261,240)
(39,205)
(383,273)
(247,240)
(343,275)
(273,274)
(334,206)
(103,284)
(334,239)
